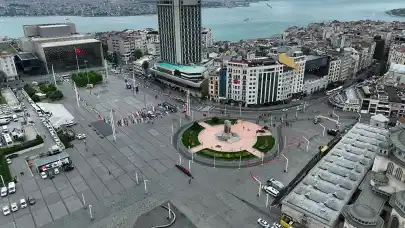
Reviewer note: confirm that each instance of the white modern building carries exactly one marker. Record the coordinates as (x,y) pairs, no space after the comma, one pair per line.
(207,40)
(138,64)
(153,48)
(7,66)
(180,31)
(258,82)
(298,78)
(314,84)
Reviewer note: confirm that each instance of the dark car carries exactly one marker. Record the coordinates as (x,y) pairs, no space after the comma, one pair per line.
(12,156)
(332,132)
(184,170)
(68,168)
(31,200)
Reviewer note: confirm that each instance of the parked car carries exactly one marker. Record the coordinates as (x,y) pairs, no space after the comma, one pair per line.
(4,191)
(31,200)
(8,161)
(23,203)
(14,207)
(80,136)
(56,171)
(11,156)
(6,210)
(275,184)
(263,223)
(271,191)
(284,109)
(44,175)
(68,168)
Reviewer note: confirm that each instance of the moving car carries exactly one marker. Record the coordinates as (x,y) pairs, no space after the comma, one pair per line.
(14,207)
(284,109)
(6,210)
(270,190)
(56,171)
(31,200)
(11,187)
(11,156)
(263,223)
(184,170)
(44,175)
(4,191)
(23,203)
(80,136)
(332,132)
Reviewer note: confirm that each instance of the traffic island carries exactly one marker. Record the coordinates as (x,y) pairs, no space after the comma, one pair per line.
(221,142)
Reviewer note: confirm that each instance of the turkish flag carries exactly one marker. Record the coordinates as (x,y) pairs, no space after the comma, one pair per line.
(235,81)
(79,51)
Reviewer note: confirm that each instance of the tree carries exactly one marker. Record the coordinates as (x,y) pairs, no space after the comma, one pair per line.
(115,59)
(176,73)
(137,54)
(145,67)
(35,98)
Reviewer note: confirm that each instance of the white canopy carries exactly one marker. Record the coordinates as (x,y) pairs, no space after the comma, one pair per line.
(60,115)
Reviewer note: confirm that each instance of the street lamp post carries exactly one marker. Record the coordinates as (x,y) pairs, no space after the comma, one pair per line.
(179,158)
(286,163)
(240,161)
(136,178)
(91,213)
(2,180)
(359,117)
(84,202)
(189,165)
(260,189)
(267,200)
(307,142)
(240,110)
(214,161)
(146,189)
(323,131)
(87,75)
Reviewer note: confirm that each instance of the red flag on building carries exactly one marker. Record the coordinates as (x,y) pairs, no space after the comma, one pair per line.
(79,51)
(235,81)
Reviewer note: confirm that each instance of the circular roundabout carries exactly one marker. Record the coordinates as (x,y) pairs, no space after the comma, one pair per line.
(226,142)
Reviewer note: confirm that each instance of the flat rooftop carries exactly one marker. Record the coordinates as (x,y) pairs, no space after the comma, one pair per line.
(74,36)
(330,184)
(52,26)
(183,68)
(26,56)
(351,94)
(49,159)
(68,43)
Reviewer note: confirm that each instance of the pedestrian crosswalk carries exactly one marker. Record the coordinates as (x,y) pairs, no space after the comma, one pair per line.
(205,108)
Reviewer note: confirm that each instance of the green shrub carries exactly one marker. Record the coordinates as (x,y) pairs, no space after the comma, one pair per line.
(82,79)
(25,145)
(35,98)
(190,136)
(47,88)
(54,95)
(4,169)
(215,119)
(226,155)
(264,143)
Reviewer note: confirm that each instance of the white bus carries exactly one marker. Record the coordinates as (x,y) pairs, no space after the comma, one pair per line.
(36,107)
(333,91)
(7,139)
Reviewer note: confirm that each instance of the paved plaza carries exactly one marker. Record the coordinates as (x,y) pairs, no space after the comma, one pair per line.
(110,174)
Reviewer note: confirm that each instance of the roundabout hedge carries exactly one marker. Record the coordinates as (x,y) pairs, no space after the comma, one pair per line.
(264,143)
(226,155)
(190,136)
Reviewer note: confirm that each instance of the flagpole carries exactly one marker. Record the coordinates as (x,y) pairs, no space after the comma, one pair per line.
(113,126)
(54,78)
(77,95)
(133,79)
(77,60)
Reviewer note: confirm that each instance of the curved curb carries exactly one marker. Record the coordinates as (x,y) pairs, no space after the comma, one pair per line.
(171,223)
(219,163)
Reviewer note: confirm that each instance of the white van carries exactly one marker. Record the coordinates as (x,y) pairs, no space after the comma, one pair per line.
(5,129)
(11,187)
(34,83)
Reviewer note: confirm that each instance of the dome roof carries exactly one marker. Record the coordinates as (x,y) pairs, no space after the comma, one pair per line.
(364,213)
(384,145)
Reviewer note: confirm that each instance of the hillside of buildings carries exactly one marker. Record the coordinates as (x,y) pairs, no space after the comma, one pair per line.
(397,12)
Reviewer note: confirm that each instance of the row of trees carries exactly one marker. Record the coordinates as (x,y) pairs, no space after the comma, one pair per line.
(83,78)
(51,91)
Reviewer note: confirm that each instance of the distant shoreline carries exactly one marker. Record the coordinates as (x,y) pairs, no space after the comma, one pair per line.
(400,12)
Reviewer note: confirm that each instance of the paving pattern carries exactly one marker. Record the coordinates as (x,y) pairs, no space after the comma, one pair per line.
(107,172)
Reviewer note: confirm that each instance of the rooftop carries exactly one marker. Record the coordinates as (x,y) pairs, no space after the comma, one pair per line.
(328,187)
(52,26)
(69,42)
(49,159)
(351,94)
(26,56)
(182,68)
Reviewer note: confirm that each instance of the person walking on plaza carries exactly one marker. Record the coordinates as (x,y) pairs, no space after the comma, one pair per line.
(189,181)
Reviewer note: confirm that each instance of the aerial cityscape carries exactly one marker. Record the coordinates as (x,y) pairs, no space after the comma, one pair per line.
(166,125)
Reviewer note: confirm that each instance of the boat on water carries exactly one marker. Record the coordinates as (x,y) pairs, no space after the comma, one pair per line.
(269,6)
(246,19)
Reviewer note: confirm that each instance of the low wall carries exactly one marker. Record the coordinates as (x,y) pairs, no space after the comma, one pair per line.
(29,149)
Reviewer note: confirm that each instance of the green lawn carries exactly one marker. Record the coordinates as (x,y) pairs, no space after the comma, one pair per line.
(220,121)
(4,169)
(226,155)
(264,143)
(2,100)
(190,136)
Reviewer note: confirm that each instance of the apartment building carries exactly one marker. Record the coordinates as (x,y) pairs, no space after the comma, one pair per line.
(207,40)
(7,66)
(334,70)
(126,42)
(397,54)
(217,84)
(258,82)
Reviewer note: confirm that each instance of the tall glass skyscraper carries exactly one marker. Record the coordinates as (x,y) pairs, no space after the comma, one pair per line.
(180,30)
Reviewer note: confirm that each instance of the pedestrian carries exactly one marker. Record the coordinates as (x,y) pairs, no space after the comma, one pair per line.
(109,172)
(189,181)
